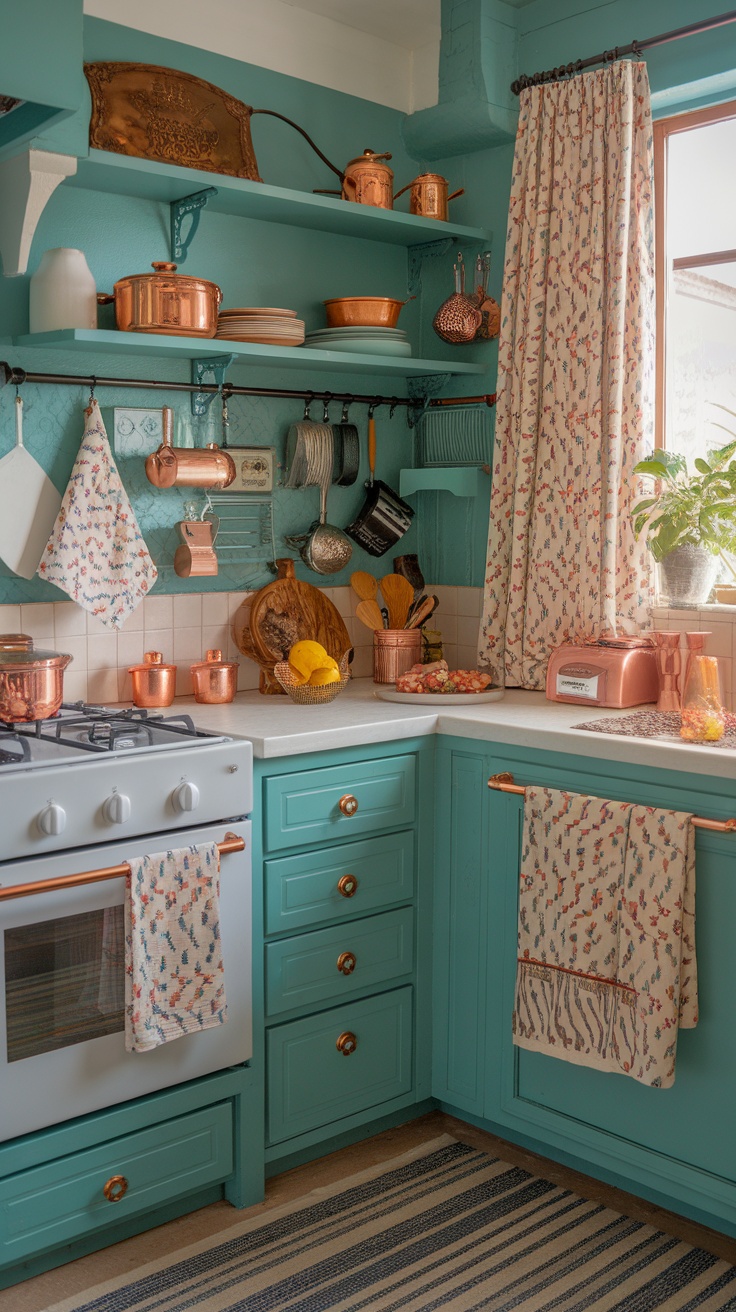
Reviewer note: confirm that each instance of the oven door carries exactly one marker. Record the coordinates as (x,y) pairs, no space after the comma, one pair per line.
(62,1049)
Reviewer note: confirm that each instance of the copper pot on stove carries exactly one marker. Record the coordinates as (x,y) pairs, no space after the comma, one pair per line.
(165,302)
(31,682)
(186,466)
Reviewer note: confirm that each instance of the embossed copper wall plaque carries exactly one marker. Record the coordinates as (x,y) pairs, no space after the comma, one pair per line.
(170,116)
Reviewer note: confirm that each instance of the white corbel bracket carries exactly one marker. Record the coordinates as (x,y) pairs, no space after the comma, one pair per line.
(27,181)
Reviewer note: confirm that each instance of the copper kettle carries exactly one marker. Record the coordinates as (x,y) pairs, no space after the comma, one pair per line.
(183,466)
(429,196)
(368,181)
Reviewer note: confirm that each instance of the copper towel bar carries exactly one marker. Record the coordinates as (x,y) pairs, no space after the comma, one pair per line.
(231,843)
(504,783)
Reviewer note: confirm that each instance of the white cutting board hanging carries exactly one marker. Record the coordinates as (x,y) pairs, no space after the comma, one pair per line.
(29,504)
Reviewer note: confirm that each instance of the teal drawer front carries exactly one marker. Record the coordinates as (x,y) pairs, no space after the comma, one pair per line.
(304,808)
(312,1083)
(304,971)
(304,890)
(64,1200)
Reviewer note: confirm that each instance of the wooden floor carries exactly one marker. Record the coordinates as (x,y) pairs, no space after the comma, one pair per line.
(124,1259)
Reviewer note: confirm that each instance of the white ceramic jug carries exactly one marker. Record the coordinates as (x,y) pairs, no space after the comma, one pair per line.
(63,292)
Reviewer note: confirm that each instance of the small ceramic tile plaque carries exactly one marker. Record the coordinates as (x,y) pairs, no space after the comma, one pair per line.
(254,466)
(136,432)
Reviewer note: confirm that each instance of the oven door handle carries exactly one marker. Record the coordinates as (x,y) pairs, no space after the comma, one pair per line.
(231,843)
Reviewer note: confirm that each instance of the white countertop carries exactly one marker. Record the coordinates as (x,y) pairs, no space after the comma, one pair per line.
(277,727)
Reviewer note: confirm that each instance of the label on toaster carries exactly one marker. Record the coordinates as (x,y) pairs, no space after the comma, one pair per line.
(582,684)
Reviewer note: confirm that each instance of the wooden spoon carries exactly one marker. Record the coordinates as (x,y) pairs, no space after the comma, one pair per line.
(369,613)
(398,595)
(423,611)
(364,585)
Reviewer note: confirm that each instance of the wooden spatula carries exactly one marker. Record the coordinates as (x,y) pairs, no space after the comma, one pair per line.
(424,610)
(398,595)
(369,613)
(364,585)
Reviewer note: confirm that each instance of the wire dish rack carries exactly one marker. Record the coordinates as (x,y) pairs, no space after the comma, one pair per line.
(243,535)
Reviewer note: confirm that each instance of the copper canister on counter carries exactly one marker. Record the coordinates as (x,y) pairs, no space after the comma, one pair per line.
(394,652)
(154,684)
(215,680)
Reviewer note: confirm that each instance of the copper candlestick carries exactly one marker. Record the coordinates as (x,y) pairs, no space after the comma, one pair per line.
(669,665)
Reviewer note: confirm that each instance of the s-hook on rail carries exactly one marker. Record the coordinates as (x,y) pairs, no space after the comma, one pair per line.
(16,377)
(504,783)
(230,843)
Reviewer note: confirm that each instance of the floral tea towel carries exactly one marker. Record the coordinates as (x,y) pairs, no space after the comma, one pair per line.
(174,973)
(96,553)
(606,971)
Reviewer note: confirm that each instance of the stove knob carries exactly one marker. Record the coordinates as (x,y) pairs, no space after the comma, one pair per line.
(116,809)
(52,820)
(185,797)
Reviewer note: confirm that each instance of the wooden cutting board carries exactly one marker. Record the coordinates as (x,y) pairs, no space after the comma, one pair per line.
(286,611)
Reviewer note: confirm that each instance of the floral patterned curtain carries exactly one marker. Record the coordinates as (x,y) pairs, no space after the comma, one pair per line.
(576,367)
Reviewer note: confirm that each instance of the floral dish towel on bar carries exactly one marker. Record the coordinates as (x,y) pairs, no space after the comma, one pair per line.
(174,973)
(606,971)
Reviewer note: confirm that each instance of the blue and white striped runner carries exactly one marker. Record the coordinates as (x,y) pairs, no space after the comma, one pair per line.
(450,1229)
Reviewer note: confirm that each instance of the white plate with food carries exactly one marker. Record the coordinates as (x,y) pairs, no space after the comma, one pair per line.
(388,694)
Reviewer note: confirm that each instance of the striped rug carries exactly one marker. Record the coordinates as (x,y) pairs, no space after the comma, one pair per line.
(445,1226)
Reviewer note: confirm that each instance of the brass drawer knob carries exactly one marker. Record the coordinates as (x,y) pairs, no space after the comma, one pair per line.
(347,886)
(346,1043)
(115,1187)
(346,963)
(348,804)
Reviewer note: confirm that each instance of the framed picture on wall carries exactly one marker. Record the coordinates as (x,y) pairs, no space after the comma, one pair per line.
(254,468)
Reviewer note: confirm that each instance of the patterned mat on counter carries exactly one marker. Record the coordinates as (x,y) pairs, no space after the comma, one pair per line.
(654,724)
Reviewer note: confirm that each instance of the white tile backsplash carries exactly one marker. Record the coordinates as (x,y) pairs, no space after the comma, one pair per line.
(10,619)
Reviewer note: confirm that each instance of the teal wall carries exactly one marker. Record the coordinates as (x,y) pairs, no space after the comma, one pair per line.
(256,263)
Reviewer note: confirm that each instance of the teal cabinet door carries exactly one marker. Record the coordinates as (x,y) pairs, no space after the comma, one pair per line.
(327,1067)
(65,1199)
(339,803)
(460,997)
(338,883)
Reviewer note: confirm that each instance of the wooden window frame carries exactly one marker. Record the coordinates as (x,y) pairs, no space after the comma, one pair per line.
(664,128)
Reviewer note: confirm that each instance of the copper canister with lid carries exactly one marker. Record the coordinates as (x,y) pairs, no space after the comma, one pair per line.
(215,680)
(154,684)
(31,681)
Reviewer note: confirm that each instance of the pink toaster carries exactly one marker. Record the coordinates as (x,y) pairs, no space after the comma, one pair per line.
(608,672)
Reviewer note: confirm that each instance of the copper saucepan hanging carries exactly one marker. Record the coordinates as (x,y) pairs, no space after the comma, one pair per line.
(186,466)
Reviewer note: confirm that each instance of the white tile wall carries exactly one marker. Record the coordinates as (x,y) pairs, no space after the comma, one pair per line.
(184,627)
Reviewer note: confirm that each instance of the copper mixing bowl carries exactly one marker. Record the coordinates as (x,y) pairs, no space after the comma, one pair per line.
(363,312)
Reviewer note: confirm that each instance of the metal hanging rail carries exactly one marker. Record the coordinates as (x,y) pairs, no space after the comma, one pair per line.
(231,843)
(17,376)
(634,48)
(504,783)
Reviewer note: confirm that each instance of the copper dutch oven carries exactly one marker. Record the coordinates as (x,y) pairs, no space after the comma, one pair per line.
(165,302)
(31,682)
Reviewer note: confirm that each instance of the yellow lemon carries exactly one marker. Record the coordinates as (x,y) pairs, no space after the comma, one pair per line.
(319,678)
(307,656)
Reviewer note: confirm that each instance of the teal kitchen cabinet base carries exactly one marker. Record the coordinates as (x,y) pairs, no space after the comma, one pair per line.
(109,341)
(674,1146)
(351,1130)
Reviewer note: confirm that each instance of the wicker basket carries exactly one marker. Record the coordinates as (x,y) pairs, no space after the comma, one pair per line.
(302,693)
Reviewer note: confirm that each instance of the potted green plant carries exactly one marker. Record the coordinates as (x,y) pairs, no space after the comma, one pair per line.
(690,521)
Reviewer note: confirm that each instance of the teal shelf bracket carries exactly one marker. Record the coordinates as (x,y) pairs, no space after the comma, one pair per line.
(418,254)
(420,390)
(208,372)
(179,210)
(461,482)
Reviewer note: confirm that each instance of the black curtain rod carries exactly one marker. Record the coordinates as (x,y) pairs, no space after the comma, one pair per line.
(635,48)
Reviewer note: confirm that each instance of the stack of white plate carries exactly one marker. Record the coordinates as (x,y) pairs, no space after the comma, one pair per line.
(272,327)
(367,341)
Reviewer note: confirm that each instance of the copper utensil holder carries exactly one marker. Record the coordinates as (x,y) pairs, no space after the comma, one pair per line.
(394,652)
(215,680)
(154,684)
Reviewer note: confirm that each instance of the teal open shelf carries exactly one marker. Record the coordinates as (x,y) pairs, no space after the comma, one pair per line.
(126,175)
(108,341)
(460,481)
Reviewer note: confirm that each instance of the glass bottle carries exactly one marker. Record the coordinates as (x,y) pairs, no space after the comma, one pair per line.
(703,715)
